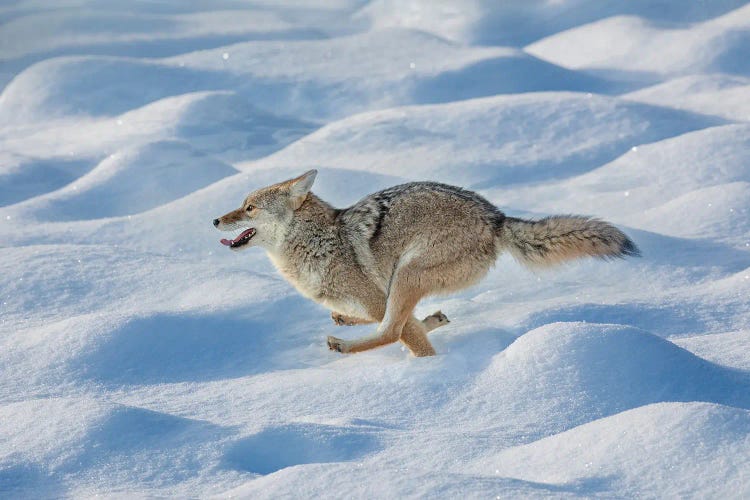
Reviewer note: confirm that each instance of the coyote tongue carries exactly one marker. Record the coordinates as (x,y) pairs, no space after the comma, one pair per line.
(240,240)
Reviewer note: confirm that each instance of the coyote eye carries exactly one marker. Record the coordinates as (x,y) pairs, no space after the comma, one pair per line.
(250,208)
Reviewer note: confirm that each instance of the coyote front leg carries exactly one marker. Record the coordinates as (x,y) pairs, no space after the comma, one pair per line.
(343,320)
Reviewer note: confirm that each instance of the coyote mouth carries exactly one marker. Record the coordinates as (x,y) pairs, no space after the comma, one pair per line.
(243,239)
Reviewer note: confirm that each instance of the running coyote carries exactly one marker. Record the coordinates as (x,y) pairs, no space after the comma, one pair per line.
(374,261)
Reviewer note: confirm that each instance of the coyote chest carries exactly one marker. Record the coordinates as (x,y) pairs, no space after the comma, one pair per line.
(317,282)
(309,280)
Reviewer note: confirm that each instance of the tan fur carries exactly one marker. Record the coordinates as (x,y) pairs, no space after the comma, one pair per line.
(374,261)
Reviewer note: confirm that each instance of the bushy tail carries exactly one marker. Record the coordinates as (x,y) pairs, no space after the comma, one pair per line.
(553,240)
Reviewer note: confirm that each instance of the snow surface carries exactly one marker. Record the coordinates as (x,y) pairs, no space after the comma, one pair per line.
(140,358)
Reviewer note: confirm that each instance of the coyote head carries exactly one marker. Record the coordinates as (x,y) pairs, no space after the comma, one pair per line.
(265,214)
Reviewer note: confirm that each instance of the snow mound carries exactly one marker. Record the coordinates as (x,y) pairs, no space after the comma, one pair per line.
(721,214)
(138,34)
(489,22)
(617,453)
(626,43)
(488,141)
(726,348)
(23,178)
(651,175)
(169,347)
(304,444)
(718,94)
(129,182)
(99,440)
(402,67)
(226,126)
(392,482)
(96,86)
(564,374)
(221,124)
(71,280)
(48,443)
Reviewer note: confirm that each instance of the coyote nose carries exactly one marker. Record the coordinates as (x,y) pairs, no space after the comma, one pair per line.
(216,222)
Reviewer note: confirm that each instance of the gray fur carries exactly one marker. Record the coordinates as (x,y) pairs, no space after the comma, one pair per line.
(373,261)
(562,237)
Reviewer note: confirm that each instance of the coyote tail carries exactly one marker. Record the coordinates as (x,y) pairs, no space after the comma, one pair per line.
(555,239)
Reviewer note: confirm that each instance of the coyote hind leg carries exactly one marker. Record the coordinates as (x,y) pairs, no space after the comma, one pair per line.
(402,297)
(414,336)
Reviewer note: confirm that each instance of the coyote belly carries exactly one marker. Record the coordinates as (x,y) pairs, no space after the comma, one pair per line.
(374,261)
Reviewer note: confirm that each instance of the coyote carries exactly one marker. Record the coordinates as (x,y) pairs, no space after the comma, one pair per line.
(374,261)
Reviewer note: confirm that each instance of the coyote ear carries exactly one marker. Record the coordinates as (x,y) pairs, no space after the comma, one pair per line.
(300,186)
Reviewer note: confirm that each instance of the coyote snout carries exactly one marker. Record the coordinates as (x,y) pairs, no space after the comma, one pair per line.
(236,220)
(265,214)
(374,261)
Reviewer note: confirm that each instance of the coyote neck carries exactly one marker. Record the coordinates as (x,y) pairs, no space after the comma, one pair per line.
(306,251)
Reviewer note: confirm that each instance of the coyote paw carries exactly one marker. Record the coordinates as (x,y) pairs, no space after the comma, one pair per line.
(337,345)
(439,317)
(435,320)
(341,320)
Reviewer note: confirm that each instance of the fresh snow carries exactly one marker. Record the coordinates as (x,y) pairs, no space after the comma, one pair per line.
(140,358)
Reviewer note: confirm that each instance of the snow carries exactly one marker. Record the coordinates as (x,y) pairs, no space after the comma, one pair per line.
(711,94)
(683,439)
(140,358)
(632,44)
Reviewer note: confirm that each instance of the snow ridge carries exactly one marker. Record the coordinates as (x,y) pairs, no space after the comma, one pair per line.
(139,358)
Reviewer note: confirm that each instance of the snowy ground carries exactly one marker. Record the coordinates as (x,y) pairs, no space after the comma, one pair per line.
(139,357)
